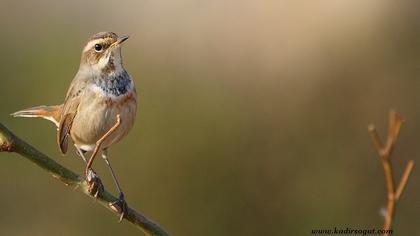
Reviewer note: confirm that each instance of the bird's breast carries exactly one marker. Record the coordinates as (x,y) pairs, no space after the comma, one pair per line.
(98,110)
(115,85)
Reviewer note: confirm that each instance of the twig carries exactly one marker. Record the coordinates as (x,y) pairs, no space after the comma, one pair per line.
(9,142)
(404,179)
(384,152)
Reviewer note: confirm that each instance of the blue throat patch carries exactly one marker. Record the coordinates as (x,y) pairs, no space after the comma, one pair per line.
(116,85)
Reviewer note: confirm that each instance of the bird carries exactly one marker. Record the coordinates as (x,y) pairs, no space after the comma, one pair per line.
(99,108)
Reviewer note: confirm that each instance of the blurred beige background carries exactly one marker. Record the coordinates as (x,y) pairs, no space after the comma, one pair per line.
(252,120)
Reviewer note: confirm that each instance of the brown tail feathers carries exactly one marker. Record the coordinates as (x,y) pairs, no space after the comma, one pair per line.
(51,113)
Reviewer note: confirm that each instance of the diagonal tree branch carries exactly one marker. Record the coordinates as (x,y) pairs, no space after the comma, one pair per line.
(9,142)
(384,152)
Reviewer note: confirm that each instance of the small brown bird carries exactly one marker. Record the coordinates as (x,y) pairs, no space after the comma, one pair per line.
(101,95)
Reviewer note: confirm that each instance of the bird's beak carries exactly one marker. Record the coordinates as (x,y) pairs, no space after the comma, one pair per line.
(121,39)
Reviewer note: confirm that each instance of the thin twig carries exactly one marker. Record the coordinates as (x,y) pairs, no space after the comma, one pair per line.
(375,137)
(384,152)
(9,142)
(404,179)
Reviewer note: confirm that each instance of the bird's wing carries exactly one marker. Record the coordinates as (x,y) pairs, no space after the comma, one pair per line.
(71,103)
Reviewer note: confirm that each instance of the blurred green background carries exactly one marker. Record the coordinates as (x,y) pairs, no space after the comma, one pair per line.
(252,119)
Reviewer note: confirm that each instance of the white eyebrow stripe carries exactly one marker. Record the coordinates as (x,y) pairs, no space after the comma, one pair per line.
(91,43)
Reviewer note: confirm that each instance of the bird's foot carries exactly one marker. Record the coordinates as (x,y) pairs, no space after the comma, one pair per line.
(120,206)
(95,186)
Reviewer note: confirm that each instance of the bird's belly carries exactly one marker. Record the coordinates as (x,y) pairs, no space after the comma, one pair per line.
(97,115)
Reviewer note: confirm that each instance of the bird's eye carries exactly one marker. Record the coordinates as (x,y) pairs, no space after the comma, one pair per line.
(98,47)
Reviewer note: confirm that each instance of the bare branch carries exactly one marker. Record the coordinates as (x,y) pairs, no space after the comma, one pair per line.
(375,137)
(404,179)
(384,152)
(11,143)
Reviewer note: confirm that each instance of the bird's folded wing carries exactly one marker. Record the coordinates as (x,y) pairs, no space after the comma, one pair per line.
(71,103)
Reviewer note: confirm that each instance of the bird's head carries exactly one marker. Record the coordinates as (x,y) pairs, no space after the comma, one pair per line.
(102,53)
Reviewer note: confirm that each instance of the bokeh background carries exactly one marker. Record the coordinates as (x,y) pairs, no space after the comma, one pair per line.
(252,121)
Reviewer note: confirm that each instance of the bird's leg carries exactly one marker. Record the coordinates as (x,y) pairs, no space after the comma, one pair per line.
(81,154)
(95,184)
(99,143)
(121,203)
(89,173)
